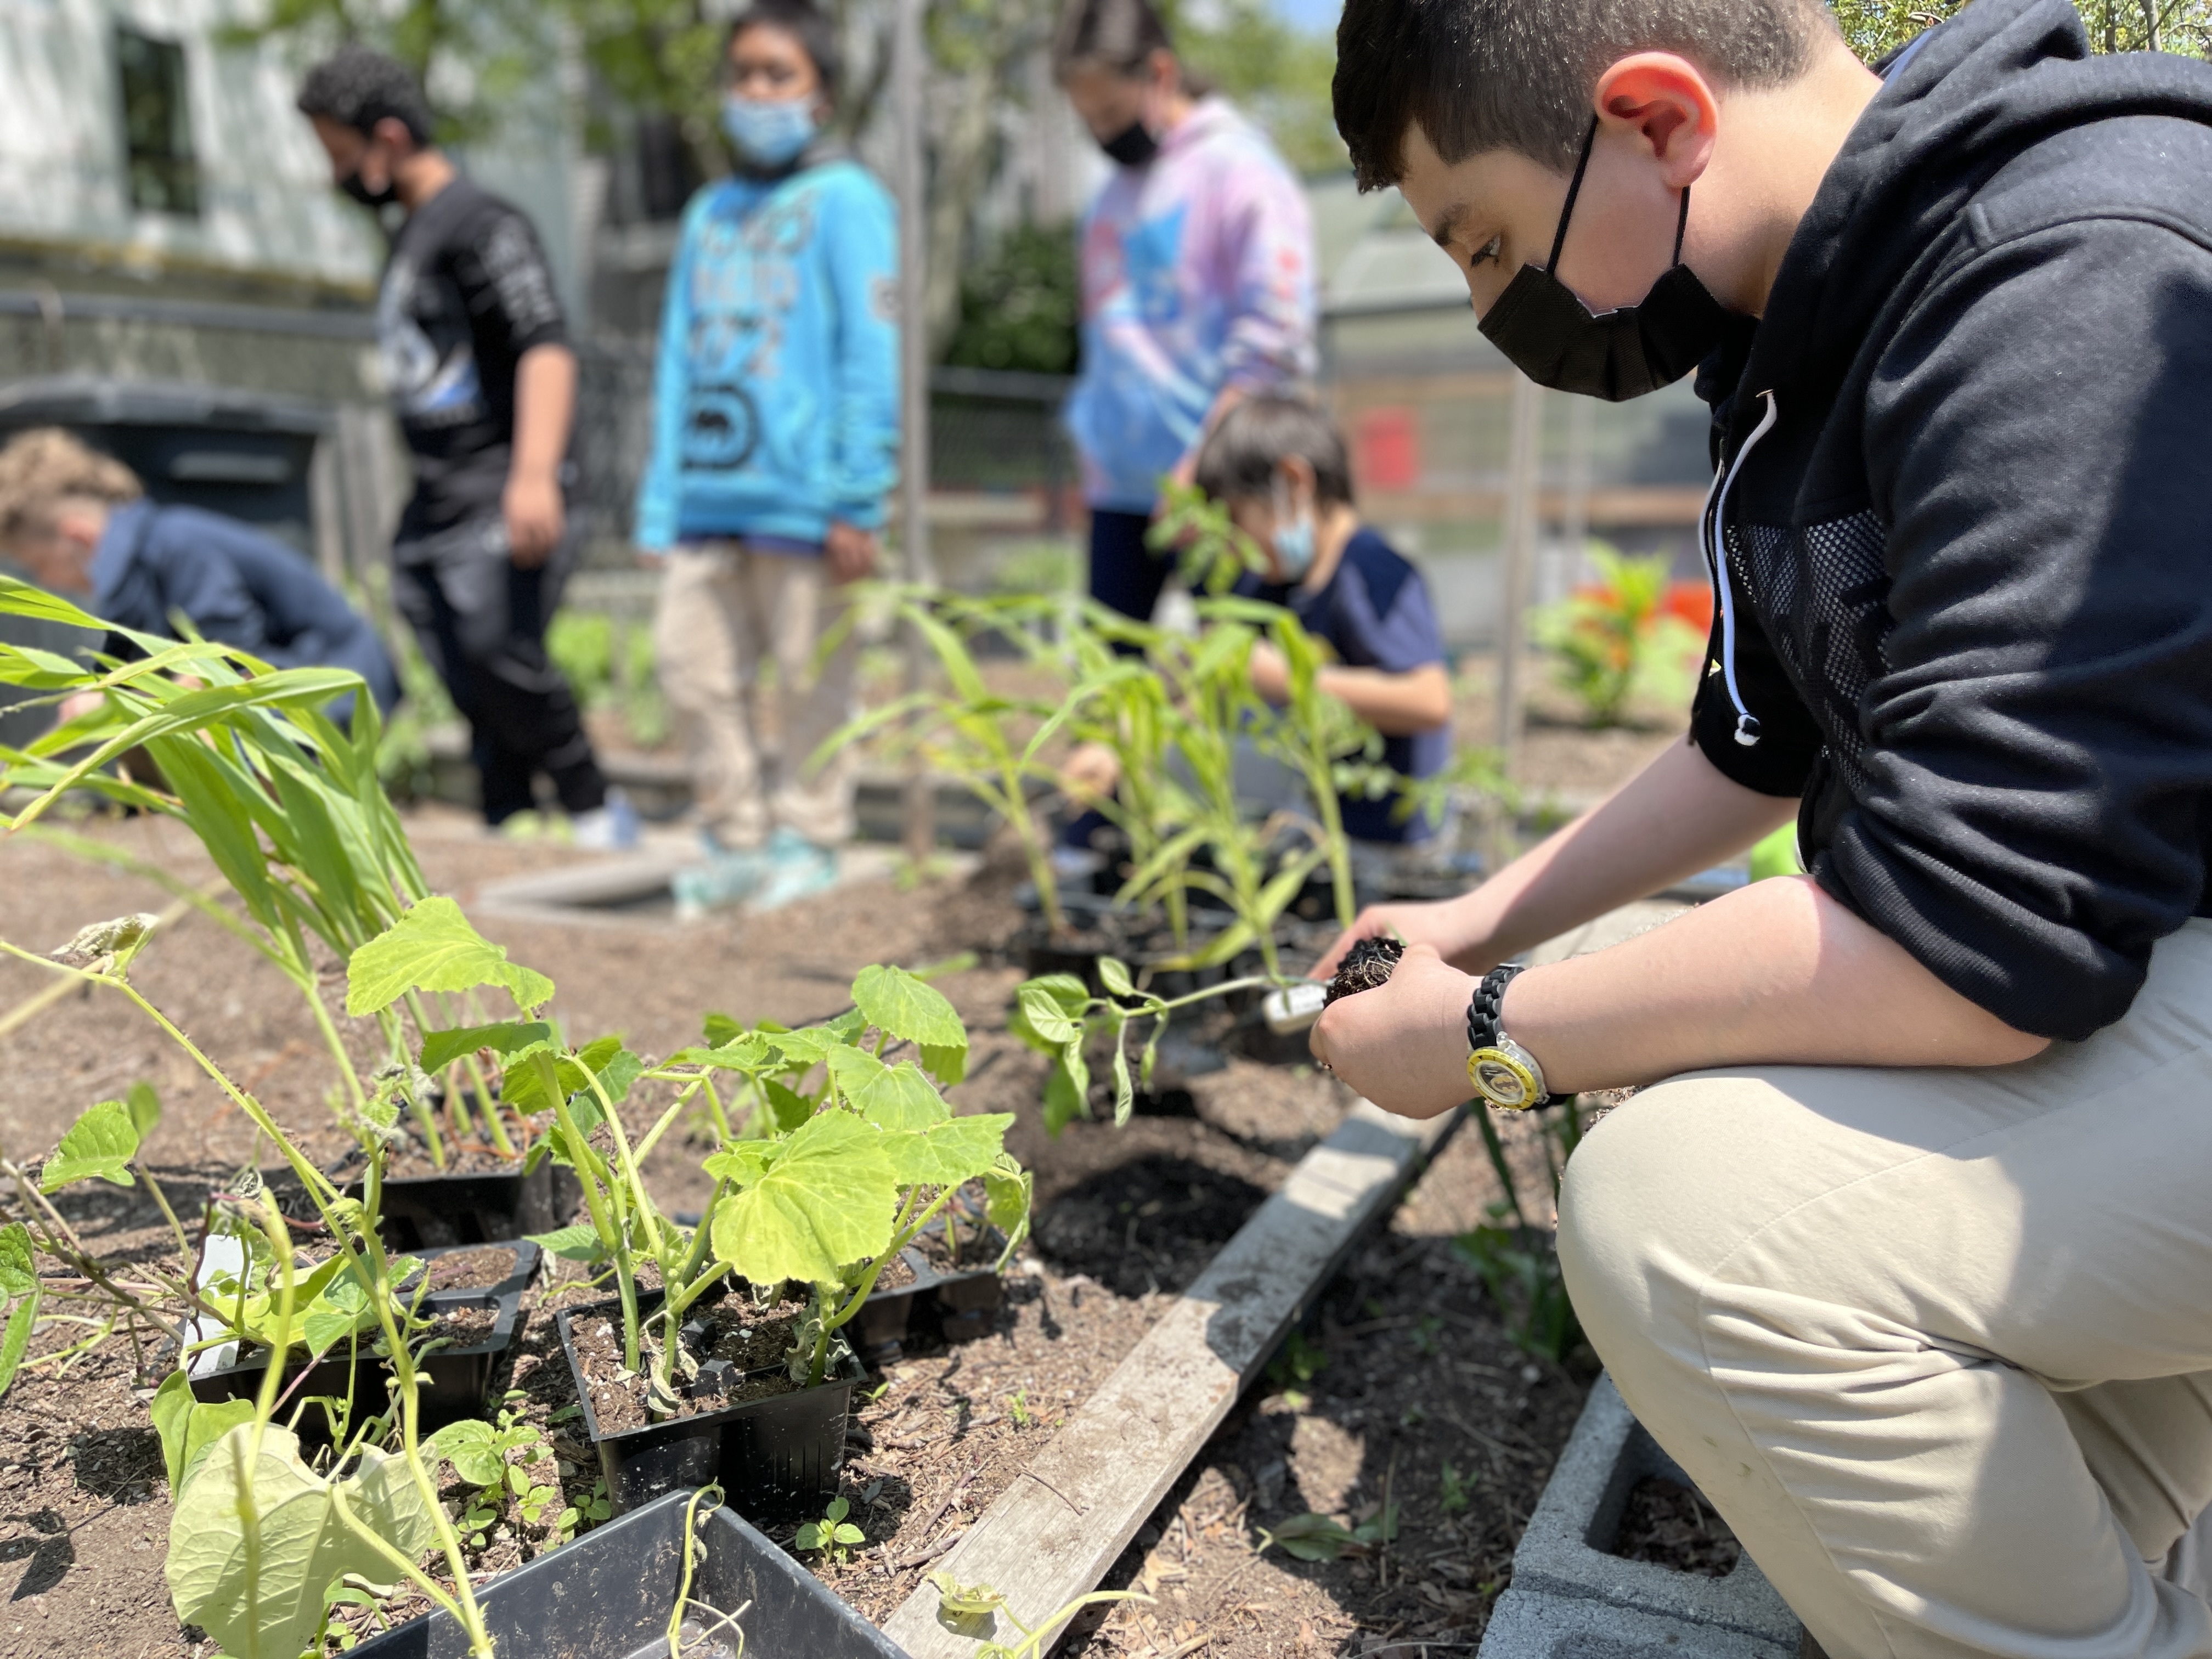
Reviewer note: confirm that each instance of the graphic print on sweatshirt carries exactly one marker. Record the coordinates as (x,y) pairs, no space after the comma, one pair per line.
(744,283)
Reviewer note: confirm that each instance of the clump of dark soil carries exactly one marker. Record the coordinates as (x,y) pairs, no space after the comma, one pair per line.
(755,1342)
(1367,966)
(1671,1524)
(898,1274)
(479,1269)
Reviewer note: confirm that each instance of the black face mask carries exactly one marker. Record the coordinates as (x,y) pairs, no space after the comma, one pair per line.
(1133,146)
(352,185)
(1549,335)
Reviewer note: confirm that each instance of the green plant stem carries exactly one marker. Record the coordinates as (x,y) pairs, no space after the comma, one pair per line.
(614,1237)
(1496,1148)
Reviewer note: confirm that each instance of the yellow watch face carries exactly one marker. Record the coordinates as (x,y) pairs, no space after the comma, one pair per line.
(1501,1080)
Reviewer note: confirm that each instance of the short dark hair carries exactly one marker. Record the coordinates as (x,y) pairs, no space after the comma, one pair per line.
(1241,454)
(1517,74)
(1121,35)
(804,22)
(358,88)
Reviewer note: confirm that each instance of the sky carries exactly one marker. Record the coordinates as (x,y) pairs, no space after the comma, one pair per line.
(1316,14)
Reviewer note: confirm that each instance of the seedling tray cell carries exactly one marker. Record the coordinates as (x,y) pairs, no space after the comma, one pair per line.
(608,1595)
(773,1457)
(481,1208)
(452,1382)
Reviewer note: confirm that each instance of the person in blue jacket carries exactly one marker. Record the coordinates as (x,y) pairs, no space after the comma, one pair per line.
(776,442)
(79,523)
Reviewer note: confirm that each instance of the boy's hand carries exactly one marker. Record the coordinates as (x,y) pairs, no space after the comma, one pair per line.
(1403,1046)
(1271,675)
(851,551)
(1439,924)
(1089,774)
(535,516)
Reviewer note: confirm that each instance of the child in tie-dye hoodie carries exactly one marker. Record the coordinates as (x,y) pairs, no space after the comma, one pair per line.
(1198,279)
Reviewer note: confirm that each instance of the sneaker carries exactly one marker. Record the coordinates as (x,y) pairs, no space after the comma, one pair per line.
(728,878)
(612,828)
(797,869)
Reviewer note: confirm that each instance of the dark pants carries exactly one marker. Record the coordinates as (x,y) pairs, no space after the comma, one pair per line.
(1126,576)
(482,623)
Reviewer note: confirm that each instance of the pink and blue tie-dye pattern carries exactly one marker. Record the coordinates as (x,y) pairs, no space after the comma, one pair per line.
(1198,274)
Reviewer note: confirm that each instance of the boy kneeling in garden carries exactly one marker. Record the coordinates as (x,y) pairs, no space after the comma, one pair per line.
(1278,464)
(1907,1259)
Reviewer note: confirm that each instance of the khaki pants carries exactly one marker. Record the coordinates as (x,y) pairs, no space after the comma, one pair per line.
(1938,1343)
(723,609)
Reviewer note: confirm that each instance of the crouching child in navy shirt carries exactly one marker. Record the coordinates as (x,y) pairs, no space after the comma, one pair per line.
(1278,463)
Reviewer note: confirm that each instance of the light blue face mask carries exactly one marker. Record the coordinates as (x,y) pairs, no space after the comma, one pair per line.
(770,134)
(1293,537)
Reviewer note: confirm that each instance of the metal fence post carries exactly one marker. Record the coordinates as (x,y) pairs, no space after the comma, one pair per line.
(907,72)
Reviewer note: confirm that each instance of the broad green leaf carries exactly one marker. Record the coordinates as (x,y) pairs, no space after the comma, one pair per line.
(19,1281)
(1309,1537)
(188,1428)
(1064,1102)
(901,1099)
(894,1001)
(1115,977)
(746,1053)
(1008,1191)
(472,1447)
(577,1243)
(946,1153)
(1125,1091)
(786,1107)
(811,1046)
(441,1049)
(144,1106)
(947,1065)
(720,1030)
(257,1544)
(432,948)
(1044,1020)
(101,1144)
(742,1162)
(824,1201)
(615,1067)
(852,1070)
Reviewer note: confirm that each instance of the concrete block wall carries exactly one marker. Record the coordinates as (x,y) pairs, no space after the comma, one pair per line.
(1571,1600)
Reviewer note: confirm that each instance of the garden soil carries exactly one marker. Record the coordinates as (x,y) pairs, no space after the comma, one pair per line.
(1405,1371)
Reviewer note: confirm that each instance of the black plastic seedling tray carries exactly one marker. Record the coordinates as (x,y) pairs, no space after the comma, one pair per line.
(481,1207)
(773,1457)
(879,1332)
(608,1595)
(452,1382)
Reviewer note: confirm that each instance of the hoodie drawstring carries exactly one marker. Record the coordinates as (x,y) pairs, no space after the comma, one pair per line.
(1746,725)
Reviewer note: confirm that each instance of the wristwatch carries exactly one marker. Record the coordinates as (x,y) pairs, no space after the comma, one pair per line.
(1503,1072)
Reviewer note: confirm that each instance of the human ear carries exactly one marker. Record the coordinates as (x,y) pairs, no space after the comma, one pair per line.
(1670,106)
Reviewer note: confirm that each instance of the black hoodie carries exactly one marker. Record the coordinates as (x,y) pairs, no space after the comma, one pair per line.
(1966,497)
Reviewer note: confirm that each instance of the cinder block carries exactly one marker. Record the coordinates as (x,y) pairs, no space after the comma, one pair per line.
(1562,1574)
(1531,1625)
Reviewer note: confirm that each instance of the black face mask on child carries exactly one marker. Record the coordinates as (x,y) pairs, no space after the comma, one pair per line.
(1133,146)
(1548,333)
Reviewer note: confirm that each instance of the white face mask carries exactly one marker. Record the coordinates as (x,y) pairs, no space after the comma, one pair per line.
(769,133)
(1294,536)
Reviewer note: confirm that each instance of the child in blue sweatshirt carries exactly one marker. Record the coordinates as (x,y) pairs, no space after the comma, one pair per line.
(776,442)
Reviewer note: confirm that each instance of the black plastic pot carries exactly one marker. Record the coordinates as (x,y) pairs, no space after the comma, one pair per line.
(879,1331)
(451,1382)
(773,1457)
(608,1595)
(434,1211)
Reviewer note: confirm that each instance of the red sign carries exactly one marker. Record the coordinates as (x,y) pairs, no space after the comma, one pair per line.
(1387,448)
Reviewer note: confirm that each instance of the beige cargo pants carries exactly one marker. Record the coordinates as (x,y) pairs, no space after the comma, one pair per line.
(1938,1343)
(723,612)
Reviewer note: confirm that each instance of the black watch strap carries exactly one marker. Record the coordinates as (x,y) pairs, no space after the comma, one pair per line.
(1484,1007)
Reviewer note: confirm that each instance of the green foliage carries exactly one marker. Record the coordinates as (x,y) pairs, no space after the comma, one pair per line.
(1518,1261)
(1299,1362)
(496,1458)
(1776,856)
(1278,73)
(1020,304)
(100,1144)
(432,948)
(260,1539)
(610,665)
(833,1534)
(187,1428)
(1453,1489)
(18,1287)
(1877,28)
(1613,633)
(973,1610)
(1311,1537)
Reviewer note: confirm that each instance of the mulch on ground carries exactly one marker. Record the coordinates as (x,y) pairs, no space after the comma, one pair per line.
(1404,1373)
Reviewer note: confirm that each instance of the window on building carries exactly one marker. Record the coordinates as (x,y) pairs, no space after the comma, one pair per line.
(164,175)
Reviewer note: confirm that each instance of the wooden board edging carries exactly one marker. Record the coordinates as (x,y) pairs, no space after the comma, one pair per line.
(1056,1531)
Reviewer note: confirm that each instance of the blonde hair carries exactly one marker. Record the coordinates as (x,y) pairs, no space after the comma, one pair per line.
(45,466)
